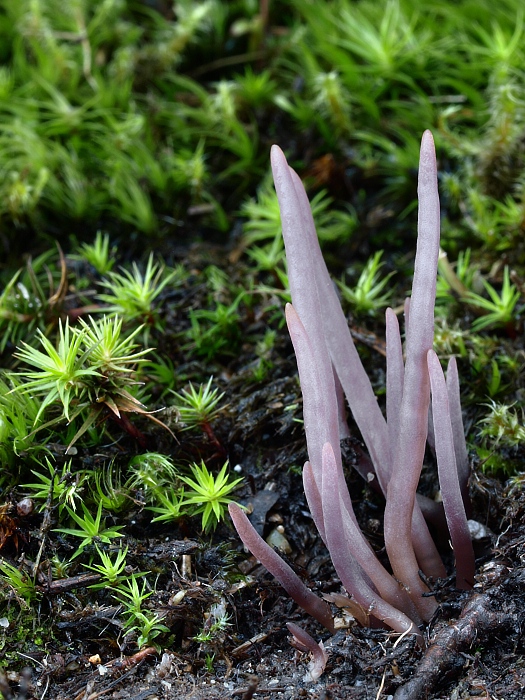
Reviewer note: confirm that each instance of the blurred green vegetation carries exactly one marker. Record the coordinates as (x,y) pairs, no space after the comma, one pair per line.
(154,116)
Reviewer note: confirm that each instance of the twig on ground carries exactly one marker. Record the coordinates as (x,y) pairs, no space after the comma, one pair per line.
(444,657)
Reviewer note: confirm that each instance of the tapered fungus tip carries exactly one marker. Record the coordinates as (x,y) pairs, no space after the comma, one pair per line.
(233,510)
(427,139)
(432,361)
(427,180)
(277,156)
(428,148)
(290,313)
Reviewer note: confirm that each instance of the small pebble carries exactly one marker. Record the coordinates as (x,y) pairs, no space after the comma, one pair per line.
(277,540)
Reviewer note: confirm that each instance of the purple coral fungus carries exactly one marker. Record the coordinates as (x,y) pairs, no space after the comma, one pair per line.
(328,360)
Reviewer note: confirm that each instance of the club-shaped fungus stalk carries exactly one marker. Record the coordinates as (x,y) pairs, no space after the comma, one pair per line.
(329,366)
(305,642)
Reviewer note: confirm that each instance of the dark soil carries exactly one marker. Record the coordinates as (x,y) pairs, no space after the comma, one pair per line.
(475,643)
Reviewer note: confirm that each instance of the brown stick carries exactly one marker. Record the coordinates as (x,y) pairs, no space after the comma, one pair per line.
(443,658)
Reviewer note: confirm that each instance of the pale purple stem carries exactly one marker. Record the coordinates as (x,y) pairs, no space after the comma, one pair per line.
(321,415)
(319,402)
(298,240)
(345,358)
(358,548)
(313,498)
(395,371)
(289,580)
(346,566)
(448,476)
(458,430)
(309,282)
(315,505)
(308,643)
(410,447)
(427,555)
(299,235)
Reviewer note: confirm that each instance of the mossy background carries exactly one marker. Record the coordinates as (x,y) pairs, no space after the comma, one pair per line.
(134,116)
(150,123)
